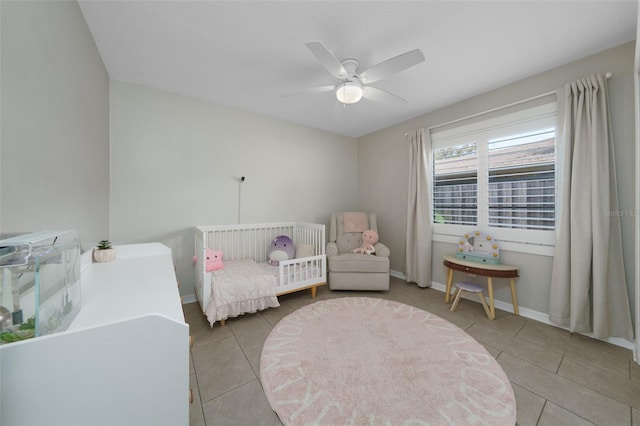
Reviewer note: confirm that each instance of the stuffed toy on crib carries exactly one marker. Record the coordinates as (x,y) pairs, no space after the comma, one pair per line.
(369,239)
(280,249)
(213,260)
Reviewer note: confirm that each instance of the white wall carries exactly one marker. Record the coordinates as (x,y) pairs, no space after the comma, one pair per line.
(382,187)
(54,151)
(176,161)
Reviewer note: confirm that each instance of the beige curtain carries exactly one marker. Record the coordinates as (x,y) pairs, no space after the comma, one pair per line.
(418,248)
(588,286)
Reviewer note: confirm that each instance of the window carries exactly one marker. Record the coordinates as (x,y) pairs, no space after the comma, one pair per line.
(455,192)
(522,181)
(498,175)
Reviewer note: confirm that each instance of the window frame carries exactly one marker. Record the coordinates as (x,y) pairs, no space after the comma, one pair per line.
(482,132)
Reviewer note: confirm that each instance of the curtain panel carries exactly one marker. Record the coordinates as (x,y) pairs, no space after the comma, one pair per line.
(419,210)
(588,286)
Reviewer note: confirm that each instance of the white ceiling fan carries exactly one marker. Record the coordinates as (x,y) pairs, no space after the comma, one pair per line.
(354,85)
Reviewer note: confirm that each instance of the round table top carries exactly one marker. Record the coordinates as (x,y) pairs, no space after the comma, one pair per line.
(485,266)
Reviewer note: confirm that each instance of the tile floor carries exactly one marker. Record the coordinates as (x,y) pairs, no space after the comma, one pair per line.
(558,378)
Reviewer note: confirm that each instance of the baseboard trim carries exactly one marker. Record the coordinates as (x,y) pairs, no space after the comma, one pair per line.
(189,298)
(397,274)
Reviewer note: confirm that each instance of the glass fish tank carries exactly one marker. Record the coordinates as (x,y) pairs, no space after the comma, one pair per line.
(39,284)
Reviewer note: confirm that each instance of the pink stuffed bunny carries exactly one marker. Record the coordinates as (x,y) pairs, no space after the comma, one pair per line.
(213,261)
(369,239)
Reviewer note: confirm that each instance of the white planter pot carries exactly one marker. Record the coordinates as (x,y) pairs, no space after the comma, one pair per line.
(102,256)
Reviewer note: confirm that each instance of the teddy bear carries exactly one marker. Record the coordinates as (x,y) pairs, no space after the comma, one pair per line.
(369,239)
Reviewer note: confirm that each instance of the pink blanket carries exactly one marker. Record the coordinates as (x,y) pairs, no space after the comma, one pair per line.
(355,222)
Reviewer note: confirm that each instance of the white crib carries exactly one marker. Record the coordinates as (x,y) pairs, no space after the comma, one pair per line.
(251,241)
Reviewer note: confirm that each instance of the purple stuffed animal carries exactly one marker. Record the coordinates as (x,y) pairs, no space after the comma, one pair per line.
(281,248)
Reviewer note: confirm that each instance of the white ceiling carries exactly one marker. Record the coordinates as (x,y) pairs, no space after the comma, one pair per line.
(251,54)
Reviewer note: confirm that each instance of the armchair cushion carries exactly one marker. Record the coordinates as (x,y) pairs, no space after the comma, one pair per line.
(352,262)
(347,241)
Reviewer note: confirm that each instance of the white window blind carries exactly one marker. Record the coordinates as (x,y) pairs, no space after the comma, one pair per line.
(455,192)
(498,175)
(522,181)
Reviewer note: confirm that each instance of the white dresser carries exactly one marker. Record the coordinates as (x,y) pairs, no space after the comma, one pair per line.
(124,360)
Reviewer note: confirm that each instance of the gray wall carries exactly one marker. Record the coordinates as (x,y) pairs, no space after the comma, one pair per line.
(54,146)
(382,187)
(176,161)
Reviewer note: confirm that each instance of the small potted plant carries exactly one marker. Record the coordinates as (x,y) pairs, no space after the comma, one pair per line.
(104,252)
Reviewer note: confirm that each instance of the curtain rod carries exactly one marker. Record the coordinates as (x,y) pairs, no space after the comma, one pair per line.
(533,98)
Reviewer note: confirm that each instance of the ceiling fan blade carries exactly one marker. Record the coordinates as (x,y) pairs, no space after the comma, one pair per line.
(327,59)
(392,66)
(378,95)
(318,89)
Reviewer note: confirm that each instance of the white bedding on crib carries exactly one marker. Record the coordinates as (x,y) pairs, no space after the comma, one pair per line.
(241,287)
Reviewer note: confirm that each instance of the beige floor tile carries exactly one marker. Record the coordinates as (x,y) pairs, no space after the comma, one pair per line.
(406,297)
(579,349)
(552,415)
(505,322)
(528,405)
(220,367)
(191,310)
(548,333)
(469,307)
(247,322)
(253,356)
(634,371)
(495,352)
(246,405)
(522,349)
(210,335)
(604,346)
(193,314)
(613,363)
(578,399)
(301,298)
(250,330)
(602,381)
(200,329)
(635,417)
(274,315)
(463,320)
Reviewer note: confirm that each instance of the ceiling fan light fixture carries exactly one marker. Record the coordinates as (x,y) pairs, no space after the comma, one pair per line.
(349,92)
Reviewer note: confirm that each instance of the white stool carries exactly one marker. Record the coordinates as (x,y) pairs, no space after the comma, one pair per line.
(471,288)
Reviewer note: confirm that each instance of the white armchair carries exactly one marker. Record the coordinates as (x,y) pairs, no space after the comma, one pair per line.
(351,271)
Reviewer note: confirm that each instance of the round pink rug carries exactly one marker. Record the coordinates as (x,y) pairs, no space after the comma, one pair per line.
(360,360)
